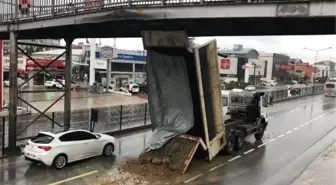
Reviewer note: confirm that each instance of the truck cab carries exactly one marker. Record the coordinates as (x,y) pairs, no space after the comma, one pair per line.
(246,115)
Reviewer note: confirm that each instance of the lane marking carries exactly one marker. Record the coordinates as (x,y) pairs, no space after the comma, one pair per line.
(295,128)
(249,151)
(270,141)
(289,131)
(261,145)
(216,167)
(235,158)
(301,125)
(271,117)
(75,177)
(193,178)
(282,135)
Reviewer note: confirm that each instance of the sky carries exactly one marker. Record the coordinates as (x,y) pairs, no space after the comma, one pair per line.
(290,45)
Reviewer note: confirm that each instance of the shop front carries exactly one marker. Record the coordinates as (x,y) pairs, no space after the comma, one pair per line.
(56,70)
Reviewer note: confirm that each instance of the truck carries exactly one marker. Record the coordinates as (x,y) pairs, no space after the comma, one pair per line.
(188,121)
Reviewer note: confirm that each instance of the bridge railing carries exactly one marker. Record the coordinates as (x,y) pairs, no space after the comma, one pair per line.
(12,11)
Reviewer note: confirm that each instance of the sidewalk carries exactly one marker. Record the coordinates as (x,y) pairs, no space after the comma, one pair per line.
(322,171)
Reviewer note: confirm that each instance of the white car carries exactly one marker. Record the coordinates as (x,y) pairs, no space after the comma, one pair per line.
(60,148)
(132,88)
(73,85)
(51,83)
(250,88)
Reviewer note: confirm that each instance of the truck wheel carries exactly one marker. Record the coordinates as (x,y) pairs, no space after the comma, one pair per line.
(239,141)
(260,134)
(229,147)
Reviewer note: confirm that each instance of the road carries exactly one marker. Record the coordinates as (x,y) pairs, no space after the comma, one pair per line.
(298,131)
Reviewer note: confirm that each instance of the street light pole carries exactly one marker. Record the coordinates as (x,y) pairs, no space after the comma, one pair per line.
(316,54)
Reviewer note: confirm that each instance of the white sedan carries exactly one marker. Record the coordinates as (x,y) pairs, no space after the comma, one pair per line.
(60,148)
(250,88)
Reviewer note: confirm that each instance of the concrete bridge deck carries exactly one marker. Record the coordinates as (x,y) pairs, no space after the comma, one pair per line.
(197,17)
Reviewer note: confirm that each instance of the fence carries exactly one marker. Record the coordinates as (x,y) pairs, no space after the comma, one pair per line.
(40,9)
(114,118)
(110,119)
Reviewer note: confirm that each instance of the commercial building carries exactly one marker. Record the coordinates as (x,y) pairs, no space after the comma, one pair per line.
(234,63)
(328,66)
(274,65)
(56,69)
(126,67)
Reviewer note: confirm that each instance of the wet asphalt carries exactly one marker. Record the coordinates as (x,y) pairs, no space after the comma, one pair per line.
(295,128)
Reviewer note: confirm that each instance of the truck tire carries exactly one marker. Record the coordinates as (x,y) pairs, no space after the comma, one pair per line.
(260,134)
(239,141)
(229,147)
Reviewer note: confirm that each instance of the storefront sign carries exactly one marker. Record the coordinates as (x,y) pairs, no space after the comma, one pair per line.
(45,62)
(131,57)
(302,64)
(287,67)
(31,68)
(225,63)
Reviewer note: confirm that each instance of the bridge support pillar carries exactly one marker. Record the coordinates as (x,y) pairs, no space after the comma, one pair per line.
(68,75)
(12,149)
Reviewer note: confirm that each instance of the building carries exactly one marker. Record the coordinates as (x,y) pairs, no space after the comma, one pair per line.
(275,65)
(21,57)
(126,67)
(232,62)
(331,67)
(56,69)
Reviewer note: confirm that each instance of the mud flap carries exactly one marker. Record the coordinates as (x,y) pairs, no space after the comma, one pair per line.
(177,153)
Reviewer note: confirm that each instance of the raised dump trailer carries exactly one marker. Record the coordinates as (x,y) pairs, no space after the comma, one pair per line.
(185,101)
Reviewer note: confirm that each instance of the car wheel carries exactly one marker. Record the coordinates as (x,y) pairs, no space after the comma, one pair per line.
(53,86)
(108,149)
(260,134)
(60,161)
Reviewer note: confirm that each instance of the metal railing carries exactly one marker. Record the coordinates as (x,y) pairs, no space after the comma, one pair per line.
(11,11)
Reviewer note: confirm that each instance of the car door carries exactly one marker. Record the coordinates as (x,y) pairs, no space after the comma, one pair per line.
(91,146)
(72,145)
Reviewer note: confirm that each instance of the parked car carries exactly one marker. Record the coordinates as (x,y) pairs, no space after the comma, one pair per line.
(19,82)
(60,148)
(250,88)
(74,85)
(51,83)
(268,83)
(132,88)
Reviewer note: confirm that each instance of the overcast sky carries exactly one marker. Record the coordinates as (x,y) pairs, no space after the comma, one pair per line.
(291,45)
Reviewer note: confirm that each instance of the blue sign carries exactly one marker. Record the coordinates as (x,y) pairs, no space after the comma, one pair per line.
(87,54)
(131,57)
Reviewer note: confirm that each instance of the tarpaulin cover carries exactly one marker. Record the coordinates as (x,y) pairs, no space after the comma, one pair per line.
(170,100)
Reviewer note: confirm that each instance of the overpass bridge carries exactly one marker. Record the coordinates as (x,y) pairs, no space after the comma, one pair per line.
(125,18)
(70,19)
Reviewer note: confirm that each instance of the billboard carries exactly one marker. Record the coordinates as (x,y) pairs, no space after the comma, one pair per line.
(227,66)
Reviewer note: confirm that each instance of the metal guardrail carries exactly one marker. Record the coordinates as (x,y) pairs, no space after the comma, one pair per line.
(11,11)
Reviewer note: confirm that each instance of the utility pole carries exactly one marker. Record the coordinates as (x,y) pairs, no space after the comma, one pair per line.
(316,54)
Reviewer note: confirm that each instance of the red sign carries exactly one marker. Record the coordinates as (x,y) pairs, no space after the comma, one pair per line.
(45,62)
(225,63)
(31,68)
(287,67)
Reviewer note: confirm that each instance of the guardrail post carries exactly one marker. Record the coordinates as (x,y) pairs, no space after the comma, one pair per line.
(53,120)
(145,120)
(121,114)
(129,3)
(52,7)
(201,1)
(3,135)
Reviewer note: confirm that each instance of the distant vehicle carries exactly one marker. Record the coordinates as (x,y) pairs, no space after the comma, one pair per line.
(268,83)
(60,148)
(51,83)
(74,85)
(19,82)
(250,88)
(132,88)
(143,88)
(330,88)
